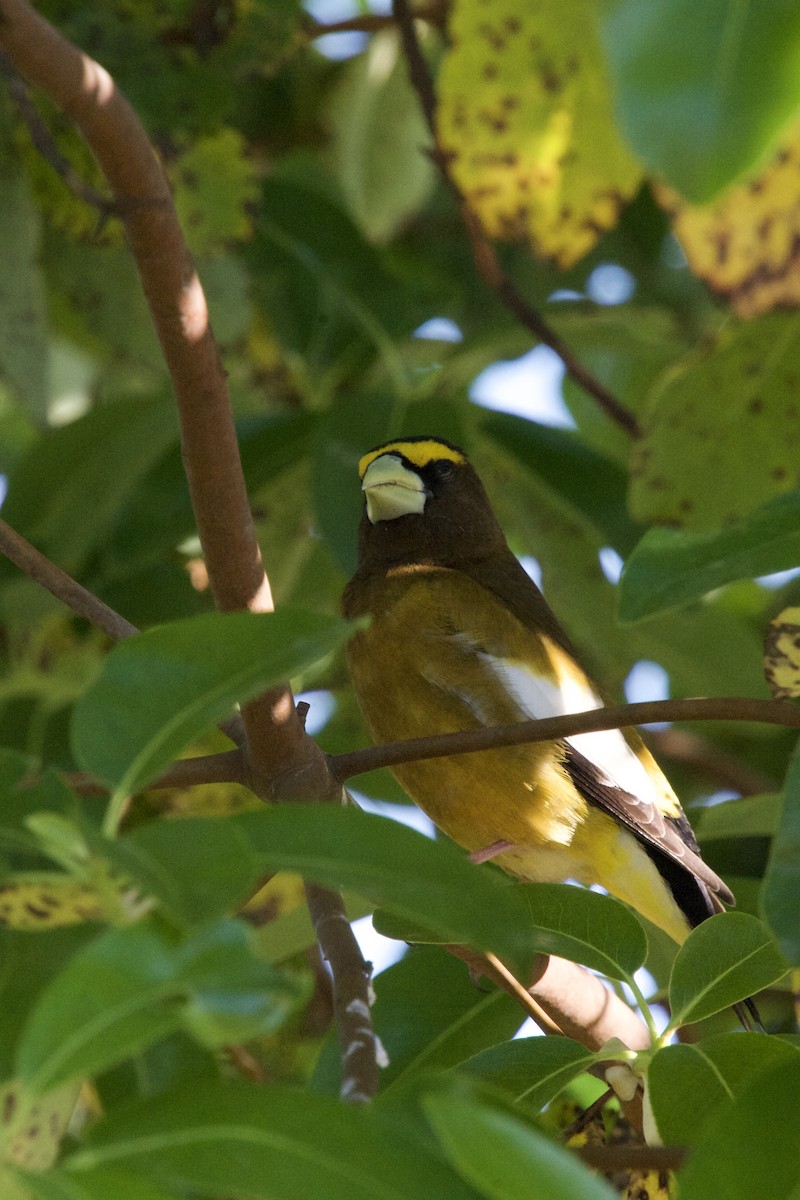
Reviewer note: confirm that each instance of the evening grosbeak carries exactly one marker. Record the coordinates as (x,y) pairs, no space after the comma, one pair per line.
(460,637)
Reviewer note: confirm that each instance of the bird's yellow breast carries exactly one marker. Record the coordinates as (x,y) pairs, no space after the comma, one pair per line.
(423,667)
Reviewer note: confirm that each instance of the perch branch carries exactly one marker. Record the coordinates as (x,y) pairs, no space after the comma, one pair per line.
(614,716)
(483,252)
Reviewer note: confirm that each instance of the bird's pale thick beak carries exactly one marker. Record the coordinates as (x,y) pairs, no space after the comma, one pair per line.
(392,490)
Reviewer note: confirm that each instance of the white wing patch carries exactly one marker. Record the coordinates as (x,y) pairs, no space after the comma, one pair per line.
(538,698)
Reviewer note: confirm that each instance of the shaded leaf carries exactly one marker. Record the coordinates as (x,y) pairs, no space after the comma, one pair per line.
(132,986)
(506,1159)
(701,91)
(592,484)
(430,1016)
(782,877)
(726,959)
(379,139)
(673,567)
(161,689)
(425,882)
(531,1070)
(689,1086)
(264,1142)
(752,1148)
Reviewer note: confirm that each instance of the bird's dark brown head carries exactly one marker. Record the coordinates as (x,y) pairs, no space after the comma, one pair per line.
(424,503)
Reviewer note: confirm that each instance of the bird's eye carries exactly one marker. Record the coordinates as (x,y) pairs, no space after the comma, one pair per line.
(443,470)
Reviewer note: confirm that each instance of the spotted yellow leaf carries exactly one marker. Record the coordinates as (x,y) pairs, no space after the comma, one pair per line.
(525,120)
(746,244)
(649,1185)
(46,901)
(782,654)
(31,1128)
(721,431)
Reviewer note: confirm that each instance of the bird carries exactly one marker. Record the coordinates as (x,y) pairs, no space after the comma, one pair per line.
(460,637)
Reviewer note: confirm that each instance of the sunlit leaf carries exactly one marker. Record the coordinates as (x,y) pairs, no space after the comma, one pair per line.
(525,118)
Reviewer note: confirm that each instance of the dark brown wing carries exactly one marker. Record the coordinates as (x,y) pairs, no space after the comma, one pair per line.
(669,841)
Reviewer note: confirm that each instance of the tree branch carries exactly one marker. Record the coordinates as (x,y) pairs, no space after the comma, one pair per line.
(284,762)
(62,586)
(361,1052)
(483,252)
(613,716)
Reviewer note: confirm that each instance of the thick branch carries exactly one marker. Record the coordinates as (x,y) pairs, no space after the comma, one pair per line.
(613,716)
(483,252)
(284,762)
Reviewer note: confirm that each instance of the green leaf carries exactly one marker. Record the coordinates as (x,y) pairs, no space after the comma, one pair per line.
(379,139)
(689,1086)
(586,927)
(159,690)
(670,567)
(782,878)
(198,867)
(264,1142)
(426,882)
(506,1159)
(23,312)
(747,816)
(752,1148)
(430,1016)
(726,959)
(58,1185)
(703,89)
(594,485)
(531,1070)
(91,466)
(132,986)
(702,465)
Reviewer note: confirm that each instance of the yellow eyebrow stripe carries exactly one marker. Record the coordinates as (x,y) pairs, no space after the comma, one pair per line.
(417,453)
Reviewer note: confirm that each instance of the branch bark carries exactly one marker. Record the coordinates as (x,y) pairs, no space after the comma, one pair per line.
(613,716)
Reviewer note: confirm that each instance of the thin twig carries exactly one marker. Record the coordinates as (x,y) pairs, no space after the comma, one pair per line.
(361,1052)
(42,142)
(229,766)
(433,14)
(483,252)
(62,586)
(613,716)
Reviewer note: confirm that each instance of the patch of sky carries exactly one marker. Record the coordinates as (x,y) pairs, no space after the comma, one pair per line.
(529,387)
(647,680)
(609,284)
(348,43)
(610,563)
(778,578)
(439,329)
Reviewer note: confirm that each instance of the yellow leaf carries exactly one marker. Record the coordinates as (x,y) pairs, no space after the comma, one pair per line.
(47,902)
(782,654)
(31,1128)
(525,119)
(746,244)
